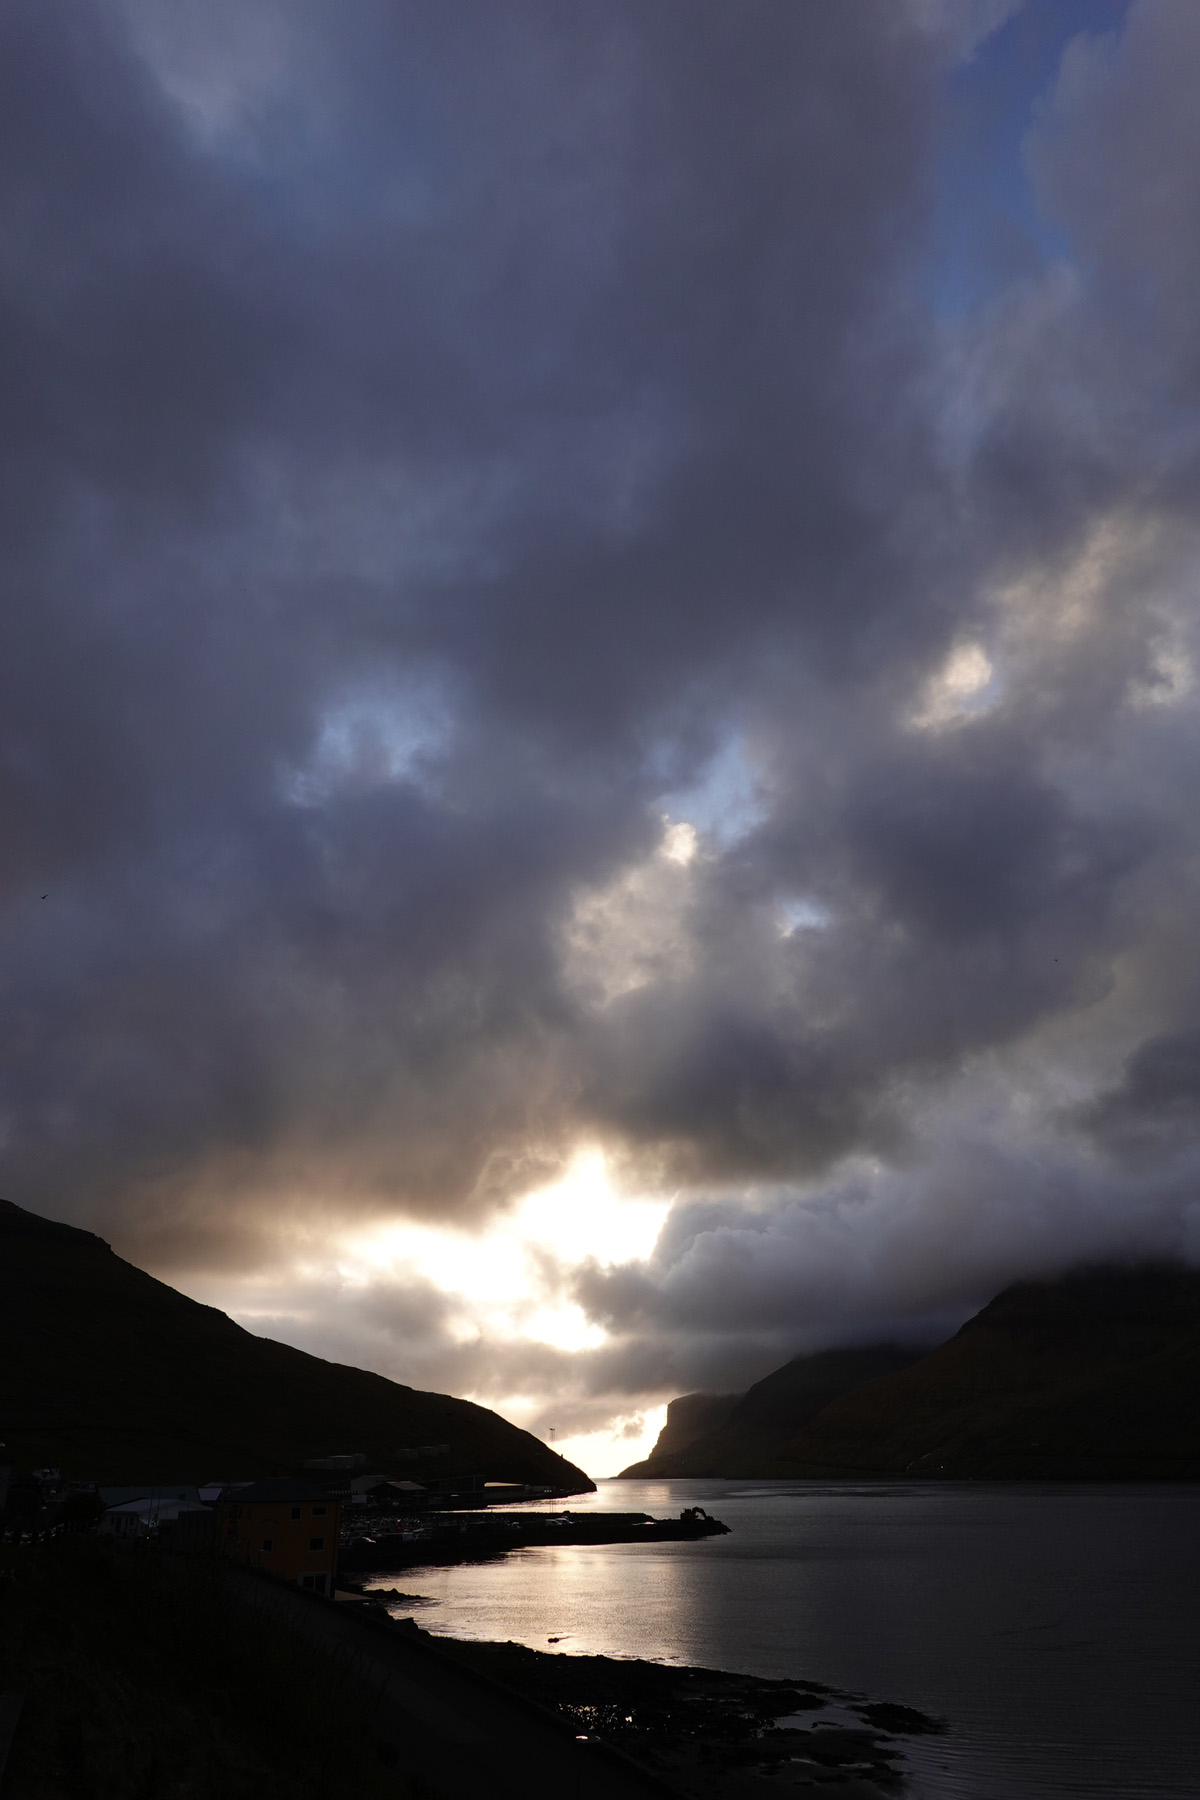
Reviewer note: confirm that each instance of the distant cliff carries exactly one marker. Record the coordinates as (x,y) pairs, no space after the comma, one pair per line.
(1093,1376)
(730,1434)
(690,1417)
(105,1372)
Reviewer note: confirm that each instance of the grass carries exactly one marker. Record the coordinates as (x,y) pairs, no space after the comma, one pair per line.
(147,1679)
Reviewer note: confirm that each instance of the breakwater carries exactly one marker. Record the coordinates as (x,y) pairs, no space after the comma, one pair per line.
(453,1537)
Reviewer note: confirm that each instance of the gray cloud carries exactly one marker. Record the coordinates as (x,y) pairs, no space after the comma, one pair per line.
(436,436)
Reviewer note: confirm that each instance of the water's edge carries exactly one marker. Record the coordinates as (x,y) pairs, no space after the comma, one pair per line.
(1051,1624)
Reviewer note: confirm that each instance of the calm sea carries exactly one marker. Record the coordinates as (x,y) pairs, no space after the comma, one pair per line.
(1056,1628)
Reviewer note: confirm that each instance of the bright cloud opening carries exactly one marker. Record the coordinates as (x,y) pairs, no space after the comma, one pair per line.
(679,843)
(963,687)
(626,1440)
(634,931)
(506,1281)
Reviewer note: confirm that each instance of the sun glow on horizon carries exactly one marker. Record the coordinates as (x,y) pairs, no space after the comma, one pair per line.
(605,1453)
(503,1285)
(507,1280)
(627,1438)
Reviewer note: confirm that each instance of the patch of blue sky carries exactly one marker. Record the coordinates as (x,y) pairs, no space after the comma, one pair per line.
(802,913)
(372,740)
(988,229)
(726,802)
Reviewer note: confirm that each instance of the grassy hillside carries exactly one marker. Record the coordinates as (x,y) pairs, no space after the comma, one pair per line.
(1095,1376)
(146,1679)
(745,1435)
(110,1374)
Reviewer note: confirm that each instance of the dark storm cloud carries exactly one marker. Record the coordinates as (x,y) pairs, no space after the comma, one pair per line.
(434,435)
(1153,1109)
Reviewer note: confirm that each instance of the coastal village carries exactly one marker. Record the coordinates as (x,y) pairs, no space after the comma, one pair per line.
(250,1600)
(291,1526)
(333,1517)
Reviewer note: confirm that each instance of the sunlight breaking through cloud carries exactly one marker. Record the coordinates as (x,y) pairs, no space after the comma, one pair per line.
(507,1281)
(599,585)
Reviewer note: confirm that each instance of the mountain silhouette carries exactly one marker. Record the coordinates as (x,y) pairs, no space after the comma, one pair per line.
(1094,1376)
(109,1374)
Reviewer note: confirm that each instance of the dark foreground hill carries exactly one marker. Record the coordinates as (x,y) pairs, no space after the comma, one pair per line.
(1095,1376)
(107,1373)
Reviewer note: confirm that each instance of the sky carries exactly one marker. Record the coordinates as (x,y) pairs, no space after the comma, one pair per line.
(598,716)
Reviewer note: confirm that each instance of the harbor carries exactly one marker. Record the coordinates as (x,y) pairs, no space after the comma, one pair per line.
(384,1544)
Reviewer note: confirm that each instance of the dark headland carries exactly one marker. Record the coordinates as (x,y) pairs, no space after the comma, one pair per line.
(107,1373)
(1095,1376)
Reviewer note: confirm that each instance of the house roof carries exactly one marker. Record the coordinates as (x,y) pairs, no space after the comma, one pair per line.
(148,1490)
(162,1510)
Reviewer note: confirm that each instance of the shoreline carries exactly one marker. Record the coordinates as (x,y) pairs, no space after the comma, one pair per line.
(710,1734)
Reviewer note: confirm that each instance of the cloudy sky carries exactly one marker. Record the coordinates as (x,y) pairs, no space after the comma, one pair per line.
(598,739)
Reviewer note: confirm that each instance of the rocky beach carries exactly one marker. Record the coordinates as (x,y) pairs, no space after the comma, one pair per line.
(710,1733)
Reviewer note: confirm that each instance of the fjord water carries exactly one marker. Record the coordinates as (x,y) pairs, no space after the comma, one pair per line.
(1054,1627)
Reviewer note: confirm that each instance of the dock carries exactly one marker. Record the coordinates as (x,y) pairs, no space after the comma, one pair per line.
(453,1538)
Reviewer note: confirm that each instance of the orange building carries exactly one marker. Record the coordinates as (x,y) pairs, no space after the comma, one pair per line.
(285,1526)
